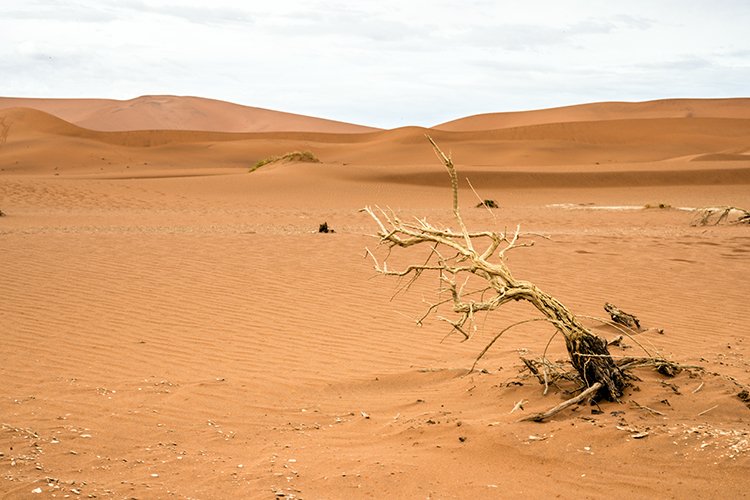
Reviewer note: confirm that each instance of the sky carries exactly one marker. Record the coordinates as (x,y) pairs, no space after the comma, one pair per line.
(384,63)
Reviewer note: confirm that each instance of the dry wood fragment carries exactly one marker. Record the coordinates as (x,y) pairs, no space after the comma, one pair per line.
(519,405)
(533,369)
(616,341)
(706,411)
(621,317)
(325,228)
(541,417)
(714,216)
(488,204)
(651,410)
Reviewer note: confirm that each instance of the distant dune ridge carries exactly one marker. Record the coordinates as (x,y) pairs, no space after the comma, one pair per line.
(664,108)
(155,112)
(593,144)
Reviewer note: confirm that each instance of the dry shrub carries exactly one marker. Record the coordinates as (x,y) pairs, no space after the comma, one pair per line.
(294,156)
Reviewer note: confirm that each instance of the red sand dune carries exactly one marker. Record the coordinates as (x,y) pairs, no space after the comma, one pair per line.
(172,325)
(600,147)
(663,108)
(166,112)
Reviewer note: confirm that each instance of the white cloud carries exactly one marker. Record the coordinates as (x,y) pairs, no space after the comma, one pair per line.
(386,63)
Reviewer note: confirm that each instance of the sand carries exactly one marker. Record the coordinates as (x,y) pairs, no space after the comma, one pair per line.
(155,112)
(174,326)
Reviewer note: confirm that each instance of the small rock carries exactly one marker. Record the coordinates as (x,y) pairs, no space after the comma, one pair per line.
(36,490)
(462,438)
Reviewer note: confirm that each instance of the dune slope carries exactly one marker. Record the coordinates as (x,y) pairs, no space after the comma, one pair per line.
(663,108)
(35,142)
(177,113)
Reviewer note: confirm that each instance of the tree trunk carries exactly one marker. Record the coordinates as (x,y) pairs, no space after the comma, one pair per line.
(588,353)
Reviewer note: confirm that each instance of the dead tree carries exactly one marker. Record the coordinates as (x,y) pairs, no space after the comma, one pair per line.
(456,255)
(716,215)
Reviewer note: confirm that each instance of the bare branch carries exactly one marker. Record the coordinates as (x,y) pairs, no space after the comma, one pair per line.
(495,339)
(481,201)
(448,163)
(540,417)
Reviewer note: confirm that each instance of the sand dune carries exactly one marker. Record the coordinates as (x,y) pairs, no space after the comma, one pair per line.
(663,108)
(599,146)
(174,326)
(177,113)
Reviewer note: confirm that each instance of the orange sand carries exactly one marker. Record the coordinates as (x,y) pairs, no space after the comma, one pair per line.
(174,326)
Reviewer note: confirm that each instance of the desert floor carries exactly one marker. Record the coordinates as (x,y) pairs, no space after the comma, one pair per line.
(174,326)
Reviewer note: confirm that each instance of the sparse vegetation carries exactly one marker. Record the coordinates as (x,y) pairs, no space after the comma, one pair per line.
(4,130)
(294,156)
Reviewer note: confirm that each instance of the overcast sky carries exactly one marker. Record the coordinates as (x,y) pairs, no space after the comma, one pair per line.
(385,63)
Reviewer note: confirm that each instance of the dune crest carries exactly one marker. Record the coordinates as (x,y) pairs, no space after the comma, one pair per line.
(167,112)
(662,108)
